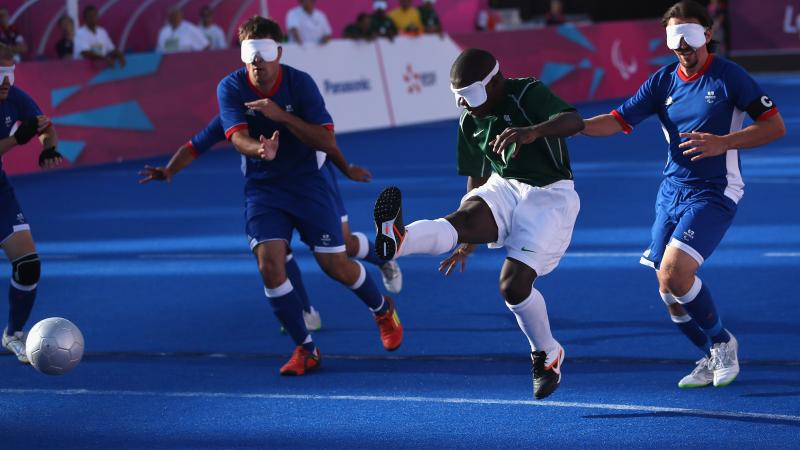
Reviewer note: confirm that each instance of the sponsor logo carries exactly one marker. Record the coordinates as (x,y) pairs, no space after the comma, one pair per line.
(8,121)
(250,112)
(625,69)
(669,101)
(326,239)
(767,102)
(790,21)
(711,97)
(507,118)
(289,108)
(529,251)
(415,81)
(476,134)
(347,87)
(688,235)
(20,218)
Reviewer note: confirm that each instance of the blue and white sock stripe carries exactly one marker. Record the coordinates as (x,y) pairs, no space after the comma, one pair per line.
(362,276)
(22,287)
(693,291)
(285,288)
(363,244)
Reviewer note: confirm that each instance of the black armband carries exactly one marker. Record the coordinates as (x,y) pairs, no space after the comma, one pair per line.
(26,130)
(760,106)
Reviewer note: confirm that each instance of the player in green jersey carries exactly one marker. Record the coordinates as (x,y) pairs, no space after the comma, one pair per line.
(520,196)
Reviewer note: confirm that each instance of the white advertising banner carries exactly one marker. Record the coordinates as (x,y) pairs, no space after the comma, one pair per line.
(349,78)
(418,78)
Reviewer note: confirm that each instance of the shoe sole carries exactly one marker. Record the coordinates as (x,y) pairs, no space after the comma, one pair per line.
(386,212)
(725,384)
(295,374)
(693,386)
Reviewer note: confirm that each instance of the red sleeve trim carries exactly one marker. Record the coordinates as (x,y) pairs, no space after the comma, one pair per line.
(625,127)
(192,150)
(767,114)
(329,126)
(239,126)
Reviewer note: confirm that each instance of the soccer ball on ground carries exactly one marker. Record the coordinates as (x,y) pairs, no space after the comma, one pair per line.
(54,346)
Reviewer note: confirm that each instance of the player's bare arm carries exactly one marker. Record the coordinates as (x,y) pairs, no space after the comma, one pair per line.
(601,126)
(262,148)
(179,161)
(706,145)
(561,125)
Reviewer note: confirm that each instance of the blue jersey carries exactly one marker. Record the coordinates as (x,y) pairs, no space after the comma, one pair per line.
(712,101)
(205,139)
(17,107)
(295,92)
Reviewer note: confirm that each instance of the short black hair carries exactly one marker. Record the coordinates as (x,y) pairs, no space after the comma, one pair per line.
(258,27)
(88,9)
(690,9)
(473,64)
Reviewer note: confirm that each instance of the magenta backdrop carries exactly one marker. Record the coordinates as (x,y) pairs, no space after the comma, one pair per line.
(757,25)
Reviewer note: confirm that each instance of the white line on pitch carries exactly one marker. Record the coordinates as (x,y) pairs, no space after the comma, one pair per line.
(603,254)
(439,400)
(782,255)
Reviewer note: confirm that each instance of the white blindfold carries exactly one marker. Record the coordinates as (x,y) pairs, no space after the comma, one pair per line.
(7,72)
(694,35)
(267,49)
(475,94)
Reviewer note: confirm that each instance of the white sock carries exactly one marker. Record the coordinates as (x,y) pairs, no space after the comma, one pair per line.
(363,245)
(429,237)
(531,316)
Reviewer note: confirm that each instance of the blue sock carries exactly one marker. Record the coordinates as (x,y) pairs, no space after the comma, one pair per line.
(287,308)
(692,330)
(20,304)
(366,289)
(293,273)
(698,303)
(366,250)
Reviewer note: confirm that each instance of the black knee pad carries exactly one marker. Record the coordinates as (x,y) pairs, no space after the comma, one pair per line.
(25,271)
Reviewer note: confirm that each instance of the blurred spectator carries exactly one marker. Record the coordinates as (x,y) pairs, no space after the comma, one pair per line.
(66,45)
(361,29)
(306,24)
(179,35)
(430,19)
(214,34)
(92,41)
(406,18)
(486,19)
(718,10)
(10,36)
(556,14)
(382,25)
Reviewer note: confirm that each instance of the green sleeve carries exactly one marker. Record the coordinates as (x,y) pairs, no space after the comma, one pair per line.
(540,102)
(471,162)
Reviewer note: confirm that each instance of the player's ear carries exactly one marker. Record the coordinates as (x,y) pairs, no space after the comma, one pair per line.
(280,53)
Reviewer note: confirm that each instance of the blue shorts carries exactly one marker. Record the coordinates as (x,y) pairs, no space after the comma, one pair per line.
(274,210)
(693,219)
(329,171)
(11,217)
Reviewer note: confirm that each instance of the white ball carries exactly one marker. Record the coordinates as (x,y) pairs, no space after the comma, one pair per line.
(54,346)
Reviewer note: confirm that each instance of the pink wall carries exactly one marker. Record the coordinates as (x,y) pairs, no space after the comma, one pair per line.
(755,26)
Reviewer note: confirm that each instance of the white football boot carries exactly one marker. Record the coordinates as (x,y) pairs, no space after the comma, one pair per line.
(725,362)
(313,320)
(392,277)
(701,376)
(16,345)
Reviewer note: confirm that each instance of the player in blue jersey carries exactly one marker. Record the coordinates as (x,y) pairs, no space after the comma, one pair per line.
(701,102)
(20,121)
(274,115)
(357,244)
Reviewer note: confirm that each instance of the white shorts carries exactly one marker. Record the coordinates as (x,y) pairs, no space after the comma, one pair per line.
(534,224)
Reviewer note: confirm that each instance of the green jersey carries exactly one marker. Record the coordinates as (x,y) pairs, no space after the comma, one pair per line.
(528,102)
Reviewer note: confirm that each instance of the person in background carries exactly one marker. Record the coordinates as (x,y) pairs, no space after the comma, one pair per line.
(179,35)
(361,29)
(214,34)
(555,16)
(66,45)
(10,36)
(93,43)
(306,24)
(382,25)
(407,18)
(718,10)
(486,19)
(430,18)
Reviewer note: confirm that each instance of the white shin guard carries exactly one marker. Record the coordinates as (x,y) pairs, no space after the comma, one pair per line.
(428,237)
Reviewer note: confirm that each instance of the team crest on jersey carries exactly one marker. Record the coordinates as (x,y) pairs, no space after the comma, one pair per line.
(8,121)
(688,235)
(711,97)
(289,108)
(507,118)
(326,239)
(20,218)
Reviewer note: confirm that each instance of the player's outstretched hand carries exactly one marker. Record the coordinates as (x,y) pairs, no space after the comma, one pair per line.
(150,173)
(267,107)
(459,256)
(357,173)
(519,136)
(269,147)
(703,145)
(50,158)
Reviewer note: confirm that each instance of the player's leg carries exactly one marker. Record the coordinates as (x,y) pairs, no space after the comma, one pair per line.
(25,270)
(541,229)
(311,316)
(699,231)
(269,234)
(360,247)
(472,223)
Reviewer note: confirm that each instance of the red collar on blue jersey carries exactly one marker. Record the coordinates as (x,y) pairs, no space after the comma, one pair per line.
(700,73)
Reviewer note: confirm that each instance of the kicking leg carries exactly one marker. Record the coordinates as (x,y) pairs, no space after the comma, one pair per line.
(21,252)
(360,247)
